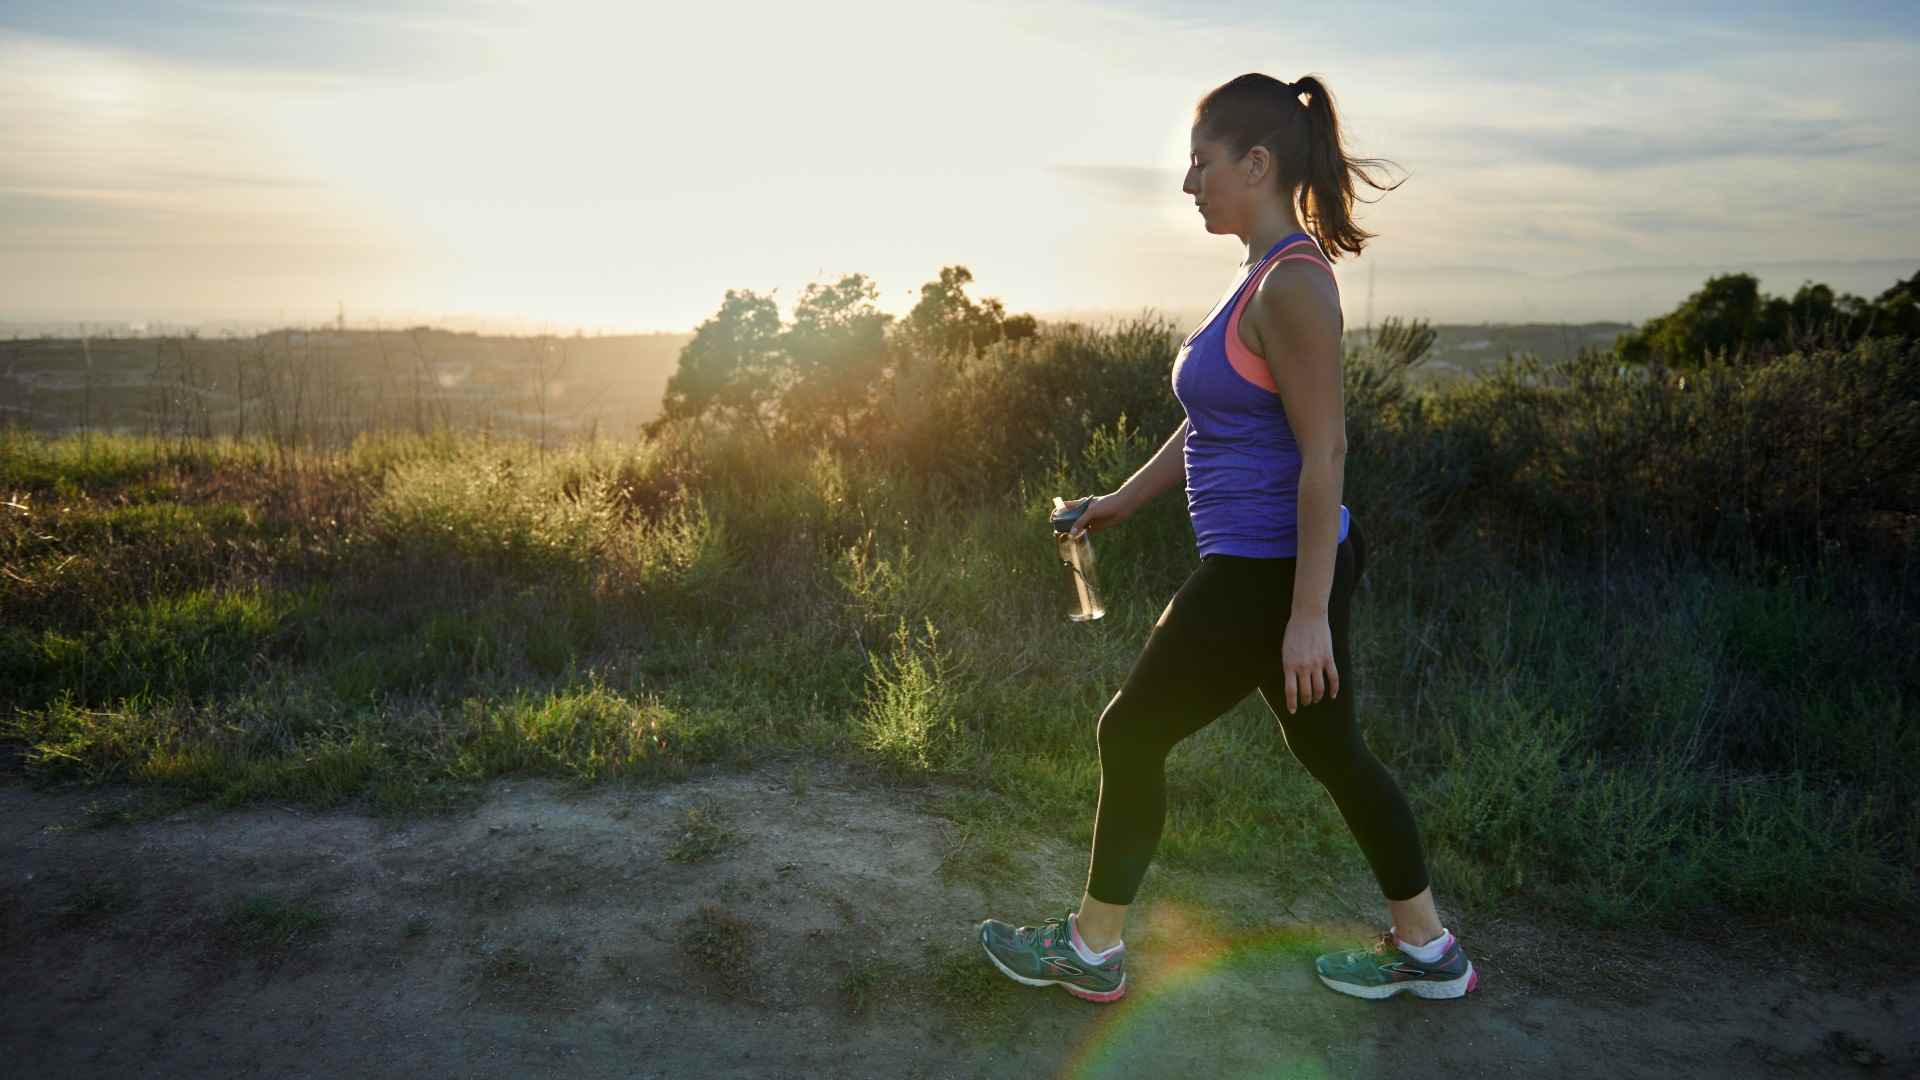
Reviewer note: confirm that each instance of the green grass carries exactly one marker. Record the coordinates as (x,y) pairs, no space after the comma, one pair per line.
(191,644)
(718,945)
(1631,736)
(705,836)
(271,928)
(33,465)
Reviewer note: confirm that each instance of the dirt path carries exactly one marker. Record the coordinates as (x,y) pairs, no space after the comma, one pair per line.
(735,926)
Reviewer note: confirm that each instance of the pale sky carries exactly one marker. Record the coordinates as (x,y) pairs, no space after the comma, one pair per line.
(621,165)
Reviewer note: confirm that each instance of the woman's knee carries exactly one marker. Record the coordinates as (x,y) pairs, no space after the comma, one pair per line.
(1124,728)
(1335,762)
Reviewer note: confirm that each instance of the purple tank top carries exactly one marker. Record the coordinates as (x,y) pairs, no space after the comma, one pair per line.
(1243,465)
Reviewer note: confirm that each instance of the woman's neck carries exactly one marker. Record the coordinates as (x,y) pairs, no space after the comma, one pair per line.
(1270,230)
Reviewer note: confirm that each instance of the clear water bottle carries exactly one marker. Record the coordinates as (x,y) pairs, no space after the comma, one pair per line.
(1077,557)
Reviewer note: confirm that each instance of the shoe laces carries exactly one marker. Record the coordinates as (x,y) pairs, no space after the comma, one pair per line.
(1051,931)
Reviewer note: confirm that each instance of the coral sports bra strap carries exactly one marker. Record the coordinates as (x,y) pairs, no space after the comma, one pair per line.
(1245,364)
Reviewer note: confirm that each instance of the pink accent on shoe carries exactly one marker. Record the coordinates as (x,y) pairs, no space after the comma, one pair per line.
(1473,983)
(1114,994)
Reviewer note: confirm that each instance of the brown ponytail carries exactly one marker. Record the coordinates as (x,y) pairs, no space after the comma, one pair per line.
(1312,167)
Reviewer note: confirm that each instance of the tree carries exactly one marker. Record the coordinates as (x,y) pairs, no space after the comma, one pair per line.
(836,353)
(1814,311)
(1897,311)
(1020,327)
(1730,315)
(824,374)
(1719,317)
(945,320)
(732,365)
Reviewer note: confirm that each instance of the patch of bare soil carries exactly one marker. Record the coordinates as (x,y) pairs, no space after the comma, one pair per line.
(760,924)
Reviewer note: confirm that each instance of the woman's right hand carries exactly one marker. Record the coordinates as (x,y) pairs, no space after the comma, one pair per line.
(1102,511)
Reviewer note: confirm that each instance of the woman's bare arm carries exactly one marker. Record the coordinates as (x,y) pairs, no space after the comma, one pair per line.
(1166,468)
(1293,306)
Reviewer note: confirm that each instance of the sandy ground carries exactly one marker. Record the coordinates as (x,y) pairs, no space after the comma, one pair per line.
(746,925)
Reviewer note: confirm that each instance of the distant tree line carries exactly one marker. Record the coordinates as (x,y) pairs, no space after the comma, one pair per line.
(1731,318)
(823,375)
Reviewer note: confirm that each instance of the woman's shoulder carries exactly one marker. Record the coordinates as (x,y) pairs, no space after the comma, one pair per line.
(1296,290)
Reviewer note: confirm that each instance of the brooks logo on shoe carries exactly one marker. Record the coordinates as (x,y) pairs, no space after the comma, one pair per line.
(1061,966)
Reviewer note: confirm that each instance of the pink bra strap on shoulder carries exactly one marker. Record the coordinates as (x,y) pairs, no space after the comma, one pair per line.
(1301,250)
(1314,259)
(1260,279)
(1242,359)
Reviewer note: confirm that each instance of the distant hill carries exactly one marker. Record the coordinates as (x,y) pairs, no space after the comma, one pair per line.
(359,378)
(1633,293)
(345,380)
(1468,295)
(1457,348)
(1462,350)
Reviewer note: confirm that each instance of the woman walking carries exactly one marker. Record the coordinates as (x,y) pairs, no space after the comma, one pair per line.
(1262,452)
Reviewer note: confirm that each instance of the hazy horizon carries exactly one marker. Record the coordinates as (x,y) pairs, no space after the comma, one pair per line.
(1454,296)
(604,167)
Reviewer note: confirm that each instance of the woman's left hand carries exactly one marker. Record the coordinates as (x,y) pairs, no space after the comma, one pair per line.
(1307,654)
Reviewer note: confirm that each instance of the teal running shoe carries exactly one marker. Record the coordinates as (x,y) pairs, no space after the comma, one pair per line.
(1384,971)
(1044,955)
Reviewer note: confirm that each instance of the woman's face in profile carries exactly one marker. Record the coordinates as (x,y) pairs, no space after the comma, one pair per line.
(1209,182)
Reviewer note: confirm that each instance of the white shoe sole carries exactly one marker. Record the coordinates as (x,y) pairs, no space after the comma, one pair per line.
(1452,988)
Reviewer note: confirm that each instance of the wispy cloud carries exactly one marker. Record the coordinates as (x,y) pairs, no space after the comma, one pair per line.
(1608,148)
(357,39)
(1660,221)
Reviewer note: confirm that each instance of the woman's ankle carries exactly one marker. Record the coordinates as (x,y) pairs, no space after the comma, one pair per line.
(1099,923)
(1092,938)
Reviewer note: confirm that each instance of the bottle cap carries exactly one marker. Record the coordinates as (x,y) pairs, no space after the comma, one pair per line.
(1064,516)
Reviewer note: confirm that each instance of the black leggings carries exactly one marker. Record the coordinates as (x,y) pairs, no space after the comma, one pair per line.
(1217,640)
